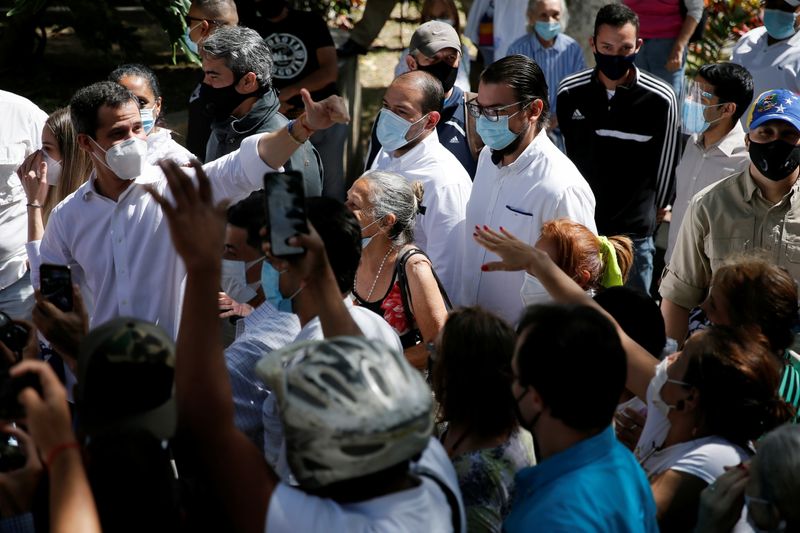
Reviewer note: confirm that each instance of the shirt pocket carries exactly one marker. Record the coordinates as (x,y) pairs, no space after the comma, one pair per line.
(720,251)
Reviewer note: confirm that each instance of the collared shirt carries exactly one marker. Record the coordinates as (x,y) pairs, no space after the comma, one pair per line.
(447,190)
(700,167)
(541,185)
(371,325)
(594,485)
(123,250)
(775,66)
(20,136)
(559,61)
(729,218)
(265,330)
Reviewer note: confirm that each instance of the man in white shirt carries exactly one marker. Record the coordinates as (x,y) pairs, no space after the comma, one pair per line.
(716,100)
(20,136)
(522,181)
(358,416)
(111,232)
(772,52)
(406,130)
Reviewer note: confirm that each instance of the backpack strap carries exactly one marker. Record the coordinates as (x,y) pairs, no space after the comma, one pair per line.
(452,499)
(402,278)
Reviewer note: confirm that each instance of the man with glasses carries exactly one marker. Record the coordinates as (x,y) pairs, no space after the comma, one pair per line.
(203,19)
(406,129)
(758,209)
(522,180)
(620,126)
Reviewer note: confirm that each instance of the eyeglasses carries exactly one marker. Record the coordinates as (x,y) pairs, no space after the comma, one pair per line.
(493,114)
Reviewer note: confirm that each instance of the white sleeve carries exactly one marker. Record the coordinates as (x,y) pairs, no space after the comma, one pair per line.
(291,510)
(576,205)
(708,461)
(34,260)
(694,8)
(236,175)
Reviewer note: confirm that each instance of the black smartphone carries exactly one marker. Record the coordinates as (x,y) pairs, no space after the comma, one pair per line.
(13,335)
(56,285)
(284,203)
(11,455)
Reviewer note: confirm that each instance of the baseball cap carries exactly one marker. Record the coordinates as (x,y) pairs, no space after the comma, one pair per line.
(775,104)
(126,376)
(433,36)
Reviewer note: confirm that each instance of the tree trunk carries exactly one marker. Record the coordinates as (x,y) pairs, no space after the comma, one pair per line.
(581,22)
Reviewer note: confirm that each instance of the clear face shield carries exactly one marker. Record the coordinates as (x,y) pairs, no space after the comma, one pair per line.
(699,113)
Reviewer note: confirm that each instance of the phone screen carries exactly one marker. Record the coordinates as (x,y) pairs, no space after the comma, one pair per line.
(285,209)
(56,285)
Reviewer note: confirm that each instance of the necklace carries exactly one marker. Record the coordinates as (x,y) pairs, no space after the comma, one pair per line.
(378,275)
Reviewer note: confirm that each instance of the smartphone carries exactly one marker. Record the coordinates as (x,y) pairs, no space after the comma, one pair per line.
(13,335)
(11,455)
(284,203)
(56,285)
(10,408)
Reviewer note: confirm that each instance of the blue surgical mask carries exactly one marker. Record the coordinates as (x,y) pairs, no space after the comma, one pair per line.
(496,135)
(366,240)
(392,130)
(779,24)
(148,119)
(547,30)
(190,44)
(693,119)
(270,282)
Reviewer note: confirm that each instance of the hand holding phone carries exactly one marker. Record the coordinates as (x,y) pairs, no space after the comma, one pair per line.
(56,285)
(284,204)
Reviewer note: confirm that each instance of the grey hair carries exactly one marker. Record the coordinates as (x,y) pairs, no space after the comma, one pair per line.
(778,464)
(564,12)
(243,51)
(392,194)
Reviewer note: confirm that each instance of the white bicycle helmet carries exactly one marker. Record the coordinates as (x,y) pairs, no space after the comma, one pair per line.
(349,406)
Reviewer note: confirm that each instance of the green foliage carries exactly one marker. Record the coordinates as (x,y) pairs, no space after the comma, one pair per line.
(727,21)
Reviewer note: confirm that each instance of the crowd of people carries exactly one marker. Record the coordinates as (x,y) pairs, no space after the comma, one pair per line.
(473,337)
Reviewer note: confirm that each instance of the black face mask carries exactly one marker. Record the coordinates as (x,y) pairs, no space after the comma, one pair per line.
(271,8)
(776,160)
(442,72)
(221,102)
(525,424)
(614,67)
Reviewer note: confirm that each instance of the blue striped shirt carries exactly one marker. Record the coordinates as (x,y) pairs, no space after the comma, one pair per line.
(266,329)
(565,57)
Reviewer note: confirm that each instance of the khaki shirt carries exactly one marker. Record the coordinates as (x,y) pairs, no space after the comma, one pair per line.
(727,219)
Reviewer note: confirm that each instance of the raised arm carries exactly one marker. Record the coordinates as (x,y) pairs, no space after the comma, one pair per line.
(516,255)
(205,408)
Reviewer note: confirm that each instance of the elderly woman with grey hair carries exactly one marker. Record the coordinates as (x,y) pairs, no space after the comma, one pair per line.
(395,279)
(769,488)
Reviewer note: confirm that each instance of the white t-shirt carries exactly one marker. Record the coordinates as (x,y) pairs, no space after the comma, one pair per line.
(422,508)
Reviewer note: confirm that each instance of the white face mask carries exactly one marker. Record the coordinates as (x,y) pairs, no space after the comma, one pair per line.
(658,424)
(234,280)
(126,159)
(53,169)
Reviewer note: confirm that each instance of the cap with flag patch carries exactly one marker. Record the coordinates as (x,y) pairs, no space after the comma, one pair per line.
(776,104)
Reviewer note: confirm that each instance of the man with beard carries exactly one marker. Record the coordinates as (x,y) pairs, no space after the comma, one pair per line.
(522,181)
(239,95)
(435,48)
(406,128)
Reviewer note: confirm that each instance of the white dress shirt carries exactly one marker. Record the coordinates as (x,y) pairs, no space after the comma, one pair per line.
(20,135)
(700,167)
(447,189)
(775,66)
(541,185)
(123,250)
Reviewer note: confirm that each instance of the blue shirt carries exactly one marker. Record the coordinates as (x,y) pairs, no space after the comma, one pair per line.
(266,329)
(595,485)
(565,57)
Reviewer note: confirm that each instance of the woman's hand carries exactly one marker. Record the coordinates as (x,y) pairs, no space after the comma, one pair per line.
(515,255)
(33,176)
(229,307)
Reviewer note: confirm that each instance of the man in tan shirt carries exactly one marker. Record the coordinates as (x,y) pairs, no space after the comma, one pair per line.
(754,211)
